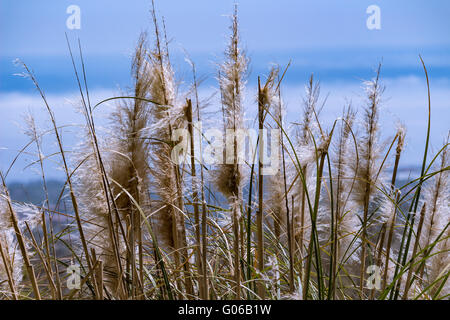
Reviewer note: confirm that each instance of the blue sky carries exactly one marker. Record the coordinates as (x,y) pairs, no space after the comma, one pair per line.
(327,37)
(324,36)
(37,27)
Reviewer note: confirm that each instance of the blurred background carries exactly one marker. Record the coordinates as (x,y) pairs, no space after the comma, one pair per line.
(326,37)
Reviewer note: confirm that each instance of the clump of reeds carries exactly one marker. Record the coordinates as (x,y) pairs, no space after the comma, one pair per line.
(319,221)
(434,238)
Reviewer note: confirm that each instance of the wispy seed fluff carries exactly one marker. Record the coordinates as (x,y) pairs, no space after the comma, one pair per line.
(344,208)
(401,133)
(437,217)
(388,207)
(95,209)
(306,154)
(369,146)
(167,115)
(130,147)
(11,260)
(229,177)
(276,187)
(232,82)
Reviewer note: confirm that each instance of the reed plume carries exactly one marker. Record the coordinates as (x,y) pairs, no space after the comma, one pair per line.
(389,206)
(434,239)
(129,159)
(229,178)
(276,190)
(338,230)
(167,114)
(14,246)
(306,150)
(11,262)
(266,97)
(95,210)
(369,157)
